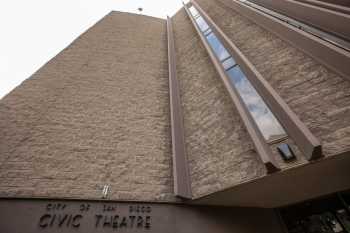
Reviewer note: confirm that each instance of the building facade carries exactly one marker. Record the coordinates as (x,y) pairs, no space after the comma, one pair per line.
(230,116)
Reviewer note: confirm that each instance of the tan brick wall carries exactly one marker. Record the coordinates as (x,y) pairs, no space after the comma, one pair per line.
(96,114)
(316,94)
(219,150)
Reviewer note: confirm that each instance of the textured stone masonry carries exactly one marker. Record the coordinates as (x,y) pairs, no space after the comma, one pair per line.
(96,114)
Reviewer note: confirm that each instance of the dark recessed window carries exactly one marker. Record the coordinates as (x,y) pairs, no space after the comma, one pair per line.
(217,47)
(265,120)
(286,152)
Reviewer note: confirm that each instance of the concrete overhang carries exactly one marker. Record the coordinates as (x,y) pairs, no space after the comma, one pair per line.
(307,181)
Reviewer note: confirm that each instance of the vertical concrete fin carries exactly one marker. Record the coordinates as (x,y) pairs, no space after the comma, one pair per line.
(296,129)
(182,184)
(262,148)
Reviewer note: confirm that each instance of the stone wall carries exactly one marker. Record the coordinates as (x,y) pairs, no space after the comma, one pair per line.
(96,114)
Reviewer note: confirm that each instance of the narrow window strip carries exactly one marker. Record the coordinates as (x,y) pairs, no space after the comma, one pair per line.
(263,117)
(229,63)
(296,129)
(194,11)
(218,47)
(208,31)
(202,24)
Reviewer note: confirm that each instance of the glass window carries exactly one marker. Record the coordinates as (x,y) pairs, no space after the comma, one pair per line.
(228,63)
(269,126)
(202,24)
(265,120)
(218,48)
(207,32)
(193,11)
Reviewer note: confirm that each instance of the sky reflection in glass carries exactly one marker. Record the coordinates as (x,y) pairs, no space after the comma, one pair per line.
(202,24)
(267,123)
(218,48)
(207,32)
(193,11)
(228,63)
(265,120)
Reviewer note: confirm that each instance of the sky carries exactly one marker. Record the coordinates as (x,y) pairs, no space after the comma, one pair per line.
(34,31)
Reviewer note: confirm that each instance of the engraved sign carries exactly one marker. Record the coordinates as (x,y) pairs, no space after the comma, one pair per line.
(78,216)
(115,216)
(63,216)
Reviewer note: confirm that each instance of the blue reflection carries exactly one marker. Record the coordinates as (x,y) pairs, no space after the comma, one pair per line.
(218,48)
(202,24)
(265,120)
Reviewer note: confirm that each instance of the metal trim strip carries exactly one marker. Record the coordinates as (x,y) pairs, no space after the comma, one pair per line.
(336,59)
(331,21)
(327,5)
(345,3)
